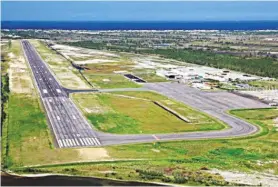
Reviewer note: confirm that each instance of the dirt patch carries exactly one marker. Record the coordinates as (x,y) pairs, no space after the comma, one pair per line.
(262,179)
(93,153)
(156,150)
(20,80)
(71,80)
(94,61)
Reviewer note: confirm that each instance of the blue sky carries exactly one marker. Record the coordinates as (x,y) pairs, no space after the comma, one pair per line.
(138,11)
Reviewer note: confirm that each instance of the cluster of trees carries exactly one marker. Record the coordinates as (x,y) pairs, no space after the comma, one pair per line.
(265,66)
(5,96)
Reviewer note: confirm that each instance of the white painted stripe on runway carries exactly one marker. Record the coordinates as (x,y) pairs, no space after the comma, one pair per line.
(59,143)
(92,143)
(73,142)
(84,141)
(98,141)
(65,143)
(69,142)
(81,141)
(76,141)
(155,137)
(88,143)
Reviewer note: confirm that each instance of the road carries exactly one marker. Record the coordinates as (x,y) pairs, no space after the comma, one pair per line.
(71,129)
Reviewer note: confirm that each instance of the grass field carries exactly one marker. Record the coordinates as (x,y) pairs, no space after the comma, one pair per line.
(30,140)
(26,138)
(110,81)
(135,113)
(170,161)
(265,84)
(187,158)
(108,68)
(150,77)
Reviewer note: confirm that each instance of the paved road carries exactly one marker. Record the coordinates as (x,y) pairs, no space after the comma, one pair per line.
(105,90)
(72,130)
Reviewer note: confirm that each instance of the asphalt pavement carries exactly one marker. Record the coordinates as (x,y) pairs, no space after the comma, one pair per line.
(68,125)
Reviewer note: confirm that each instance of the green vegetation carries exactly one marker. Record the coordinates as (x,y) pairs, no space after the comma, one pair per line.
(28,138)
(4,100)
(4,116)
(150,77)
(187,162)
(264,84)
(258,66)
(110,81)
(108,68)
(135,113)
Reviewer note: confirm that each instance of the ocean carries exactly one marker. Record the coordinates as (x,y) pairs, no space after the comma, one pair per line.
(142,25)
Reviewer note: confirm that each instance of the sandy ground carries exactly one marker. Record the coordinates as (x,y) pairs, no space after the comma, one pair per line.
(69,79)
(266,180)
(86,56)
(20,80)
(94,61)
(93,153)
(150,63)
(76,51)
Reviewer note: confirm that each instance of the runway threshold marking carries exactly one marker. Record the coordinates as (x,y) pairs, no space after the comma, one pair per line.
(70,142)
(94,141)
(155,137)
(73,142)
(97,141)
(65,143)
(76,141)
(90,141)
(84,139)
(60,143)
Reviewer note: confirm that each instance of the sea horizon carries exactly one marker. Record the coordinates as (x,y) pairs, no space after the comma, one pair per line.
(143,25)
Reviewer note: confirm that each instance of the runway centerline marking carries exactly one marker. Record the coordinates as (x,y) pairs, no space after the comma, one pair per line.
(155,137)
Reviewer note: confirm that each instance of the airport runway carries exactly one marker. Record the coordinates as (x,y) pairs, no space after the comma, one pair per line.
(71,129)
(67,123)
